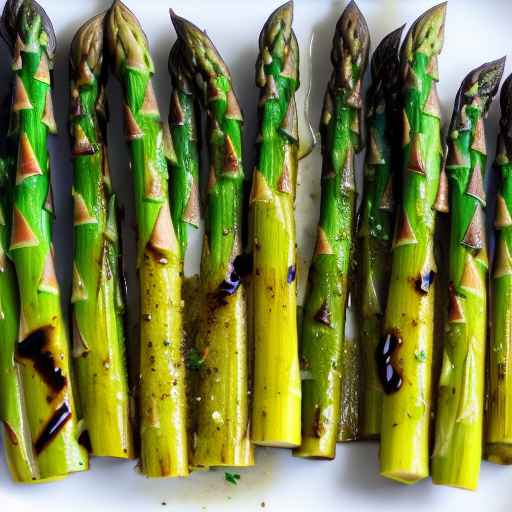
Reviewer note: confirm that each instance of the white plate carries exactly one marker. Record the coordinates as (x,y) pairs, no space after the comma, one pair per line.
(476,31)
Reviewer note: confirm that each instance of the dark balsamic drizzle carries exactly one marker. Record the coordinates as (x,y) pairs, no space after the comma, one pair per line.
(390,378)
(33,348)
(53,427)
(243,265)
(424,282)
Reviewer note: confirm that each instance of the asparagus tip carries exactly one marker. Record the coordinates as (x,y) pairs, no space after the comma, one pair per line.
(126,41)
(87,44)
(482,83)
(282,17)
(426,34)
(18,15)
(353,34)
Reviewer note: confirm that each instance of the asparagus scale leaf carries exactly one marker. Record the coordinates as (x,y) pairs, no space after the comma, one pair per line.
(42,349)
(162,402)
(324,309)
(98,305)
(498,446)
(277,386)
(405,352)
(221,426)
(376,220)
(460,403)
(18,449)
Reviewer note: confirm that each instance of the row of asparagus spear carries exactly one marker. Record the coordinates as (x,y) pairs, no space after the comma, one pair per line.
(207,391)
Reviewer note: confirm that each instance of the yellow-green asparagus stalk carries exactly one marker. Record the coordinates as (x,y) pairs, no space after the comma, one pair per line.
(221,426)
(460,402)
(18,450)
(323,329)
(162,402)
(43,347)
(498,447)
(277,388)
(98,305)
(404,355)
(377,221)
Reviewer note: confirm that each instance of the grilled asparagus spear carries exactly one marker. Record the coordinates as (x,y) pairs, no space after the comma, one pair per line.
(162,402)
(499,426)
(221,427)
(324,309)
(277,390)
(97,298)
(377,220)
(42,348)
(404,354)
(18,450)
(459,418)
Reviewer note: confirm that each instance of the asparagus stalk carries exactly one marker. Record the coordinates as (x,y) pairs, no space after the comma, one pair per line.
(277,387)
(163,424)
(18,449)
(42,348)
(98,305)
(324,308)
(221,430)
(499,415)
(459,418)
(377,220)
(183,124)
(404,355)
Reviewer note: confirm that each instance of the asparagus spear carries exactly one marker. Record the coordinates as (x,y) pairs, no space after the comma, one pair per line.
(42,349)
(404,355)
(162,402)
(377,220)
(221,431)
(183,121)
(97,297)
(499,427)
(277,393)
(18,449)
(324,308)
(459,418)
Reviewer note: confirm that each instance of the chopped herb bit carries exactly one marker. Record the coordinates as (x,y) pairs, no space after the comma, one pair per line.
(420,356)
(232,478)
(194,359)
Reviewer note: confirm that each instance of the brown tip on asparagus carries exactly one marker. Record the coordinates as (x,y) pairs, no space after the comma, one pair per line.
(384,61)
(22,13)
(480,85)
(87,45)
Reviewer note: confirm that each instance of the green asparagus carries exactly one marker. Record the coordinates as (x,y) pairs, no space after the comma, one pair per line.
(221,427)
(459,415)
(162,402)
(404,354)
(498,447)
(97,298)
(377,220)
(277,388)
(43,348)
(18,450)
(323,330)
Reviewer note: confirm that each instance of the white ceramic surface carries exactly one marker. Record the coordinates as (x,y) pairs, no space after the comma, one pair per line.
(476,31)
